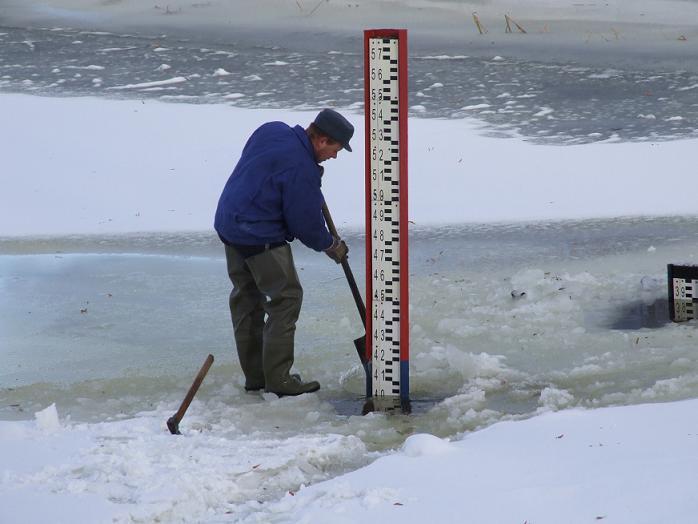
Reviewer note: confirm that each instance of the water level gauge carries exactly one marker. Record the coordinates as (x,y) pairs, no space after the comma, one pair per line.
(387,301)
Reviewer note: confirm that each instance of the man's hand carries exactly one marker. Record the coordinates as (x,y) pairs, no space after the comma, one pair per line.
(337,251)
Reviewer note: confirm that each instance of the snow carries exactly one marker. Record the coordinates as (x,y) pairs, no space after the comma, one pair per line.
(171,161)
(572,466)
(631,465)
(169,81)
(606,465)
(160,167)
(47,419)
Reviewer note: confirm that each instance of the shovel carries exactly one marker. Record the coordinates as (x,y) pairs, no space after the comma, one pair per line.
(359,343)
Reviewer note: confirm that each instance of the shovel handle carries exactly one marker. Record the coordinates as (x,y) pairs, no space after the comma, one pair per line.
(345,266)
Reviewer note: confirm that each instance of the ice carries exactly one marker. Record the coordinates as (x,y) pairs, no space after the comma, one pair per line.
(443,57)
(47,419)
(544,111)
(424,445)
(553,398)
(169,81)
(112,49)
(577,120)
(87,68)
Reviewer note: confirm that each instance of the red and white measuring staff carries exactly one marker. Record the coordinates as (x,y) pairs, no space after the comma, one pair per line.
(387,298)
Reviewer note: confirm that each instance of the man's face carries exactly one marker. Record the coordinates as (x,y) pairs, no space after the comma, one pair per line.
(324,150)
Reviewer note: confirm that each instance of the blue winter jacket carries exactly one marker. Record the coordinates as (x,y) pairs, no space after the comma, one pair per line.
(274,191)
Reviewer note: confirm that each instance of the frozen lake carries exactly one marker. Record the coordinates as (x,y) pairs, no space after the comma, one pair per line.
(547,101)
(506,319)
(112,326)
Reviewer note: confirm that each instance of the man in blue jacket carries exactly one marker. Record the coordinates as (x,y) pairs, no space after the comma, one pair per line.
(272,197)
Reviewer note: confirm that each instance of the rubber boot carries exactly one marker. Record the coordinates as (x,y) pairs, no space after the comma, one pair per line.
(250,355)
(247,314)
(294,386)
(278,359)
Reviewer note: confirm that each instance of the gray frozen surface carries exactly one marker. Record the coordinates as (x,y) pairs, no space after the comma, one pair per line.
(545,101)
(582,72)
(109,326)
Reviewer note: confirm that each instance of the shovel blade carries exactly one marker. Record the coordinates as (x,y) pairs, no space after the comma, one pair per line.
(360,345)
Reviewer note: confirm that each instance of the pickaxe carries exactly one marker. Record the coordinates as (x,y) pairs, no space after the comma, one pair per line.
(174,420)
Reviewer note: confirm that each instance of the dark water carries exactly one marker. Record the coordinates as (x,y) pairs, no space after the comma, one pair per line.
(544,101)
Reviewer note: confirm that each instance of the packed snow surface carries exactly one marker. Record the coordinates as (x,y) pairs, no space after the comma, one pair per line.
(167,166)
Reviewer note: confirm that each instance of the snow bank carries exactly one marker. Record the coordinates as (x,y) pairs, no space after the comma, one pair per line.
(84,165)
(623,465)
(631,465)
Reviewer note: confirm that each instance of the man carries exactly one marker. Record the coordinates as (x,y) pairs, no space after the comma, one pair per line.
(272,197)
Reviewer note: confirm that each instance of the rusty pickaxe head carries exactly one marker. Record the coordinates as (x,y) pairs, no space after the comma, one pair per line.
(173,425)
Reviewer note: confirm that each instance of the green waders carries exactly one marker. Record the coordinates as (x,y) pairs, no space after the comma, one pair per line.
(266,283)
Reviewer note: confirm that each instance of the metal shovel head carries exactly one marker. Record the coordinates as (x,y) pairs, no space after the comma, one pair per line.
(360,345)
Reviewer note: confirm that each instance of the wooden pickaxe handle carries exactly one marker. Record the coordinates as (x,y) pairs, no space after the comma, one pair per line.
(173,422)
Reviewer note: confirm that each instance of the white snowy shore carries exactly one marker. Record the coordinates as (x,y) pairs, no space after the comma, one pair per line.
(73,166)
(629,465)
(87,165)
